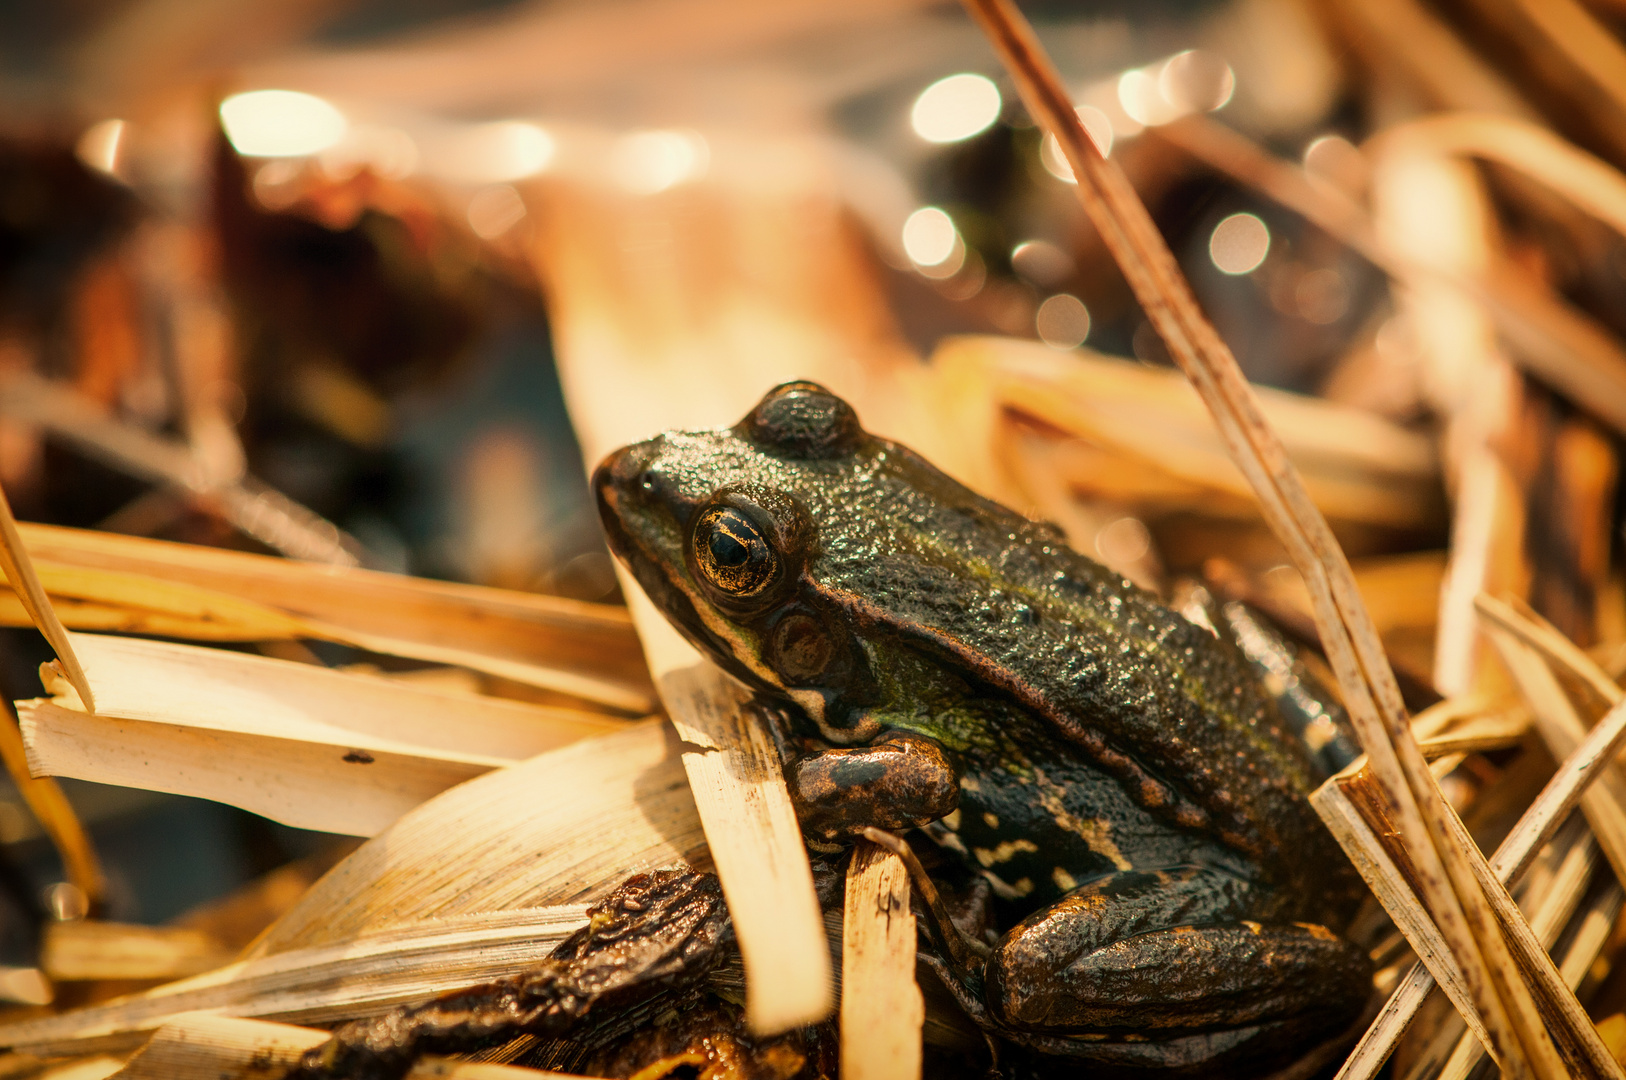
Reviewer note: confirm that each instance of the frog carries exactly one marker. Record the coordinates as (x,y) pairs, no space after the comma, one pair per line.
(945,664)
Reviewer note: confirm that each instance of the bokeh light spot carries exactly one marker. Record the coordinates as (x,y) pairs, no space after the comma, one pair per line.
(1239,244)
(1196,81)
(955,108)
(646,162)
(929,237)
(1123,542)
(1063,322)
(1322,296)
(280,123)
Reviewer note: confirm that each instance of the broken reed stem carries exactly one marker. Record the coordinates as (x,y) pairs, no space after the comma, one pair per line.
(44,797)
(1446,872)
(20,572)
(881,1007)
(1534,829)
(55,814)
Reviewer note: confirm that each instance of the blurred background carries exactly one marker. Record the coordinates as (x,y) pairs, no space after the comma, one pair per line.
(302,277)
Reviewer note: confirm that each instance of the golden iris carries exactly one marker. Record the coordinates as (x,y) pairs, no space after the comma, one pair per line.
(732,553)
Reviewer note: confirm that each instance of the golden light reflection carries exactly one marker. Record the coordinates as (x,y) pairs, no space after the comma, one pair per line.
(276,184)
(1142,98)
(99,146)
(280,123)
(1239,244)
(955,108)
(1321,296)
(968,280)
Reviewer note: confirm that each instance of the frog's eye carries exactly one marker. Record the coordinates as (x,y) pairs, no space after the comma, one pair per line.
(803,419)
(733,554)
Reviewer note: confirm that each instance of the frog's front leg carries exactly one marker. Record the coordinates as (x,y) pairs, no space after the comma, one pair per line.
(900,781)
(1158,969)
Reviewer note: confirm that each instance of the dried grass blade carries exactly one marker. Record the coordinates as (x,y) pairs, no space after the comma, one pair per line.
(185,684)
(1477,736)
(204,1047)
(335,787)
(84,949)
(305,745)
(1345,821)
(1587,181)
(560,829)
(1358,467)
(881,1007)
(1561,728)
(526,636)
(98,1067)
(751,829)
(1550,912)
(364,976)
(259,511)
(1542,636)
(56,815)
(95,599)
(1452,889)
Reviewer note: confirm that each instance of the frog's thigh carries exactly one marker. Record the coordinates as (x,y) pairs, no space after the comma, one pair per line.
(1142,951)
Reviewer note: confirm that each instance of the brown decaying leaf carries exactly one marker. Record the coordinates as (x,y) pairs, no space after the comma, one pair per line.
(203,1047)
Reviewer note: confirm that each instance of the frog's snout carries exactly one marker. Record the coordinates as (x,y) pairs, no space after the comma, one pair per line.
(622,472)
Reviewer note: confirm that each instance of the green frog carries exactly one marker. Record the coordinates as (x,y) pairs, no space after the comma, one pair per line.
(1112,769)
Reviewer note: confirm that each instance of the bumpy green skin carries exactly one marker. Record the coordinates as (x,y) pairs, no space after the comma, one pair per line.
(1067,735)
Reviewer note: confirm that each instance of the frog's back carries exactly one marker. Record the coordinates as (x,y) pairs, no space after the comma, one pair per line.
(1139,690)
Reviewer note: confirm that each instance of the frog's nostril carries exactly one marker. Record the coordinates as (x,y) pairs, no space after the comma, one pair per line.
(648,480)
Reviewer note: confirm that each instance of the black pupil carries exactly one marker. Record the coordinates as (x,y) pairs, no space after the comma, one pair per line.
(727,548)
(732,552)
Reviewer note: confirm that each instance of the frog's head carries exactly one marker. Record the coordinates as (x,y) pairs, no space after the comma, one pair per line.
(716,528)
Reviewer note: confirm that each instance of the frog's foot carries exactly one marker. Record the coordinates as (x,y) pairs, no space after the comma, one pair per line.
(1161,970)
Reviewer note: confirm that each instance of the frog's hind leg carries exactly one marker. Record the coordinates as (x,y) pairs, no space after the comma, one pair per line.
(1163,970)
